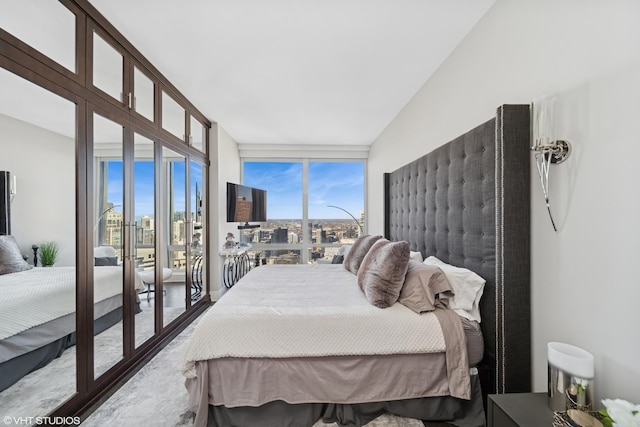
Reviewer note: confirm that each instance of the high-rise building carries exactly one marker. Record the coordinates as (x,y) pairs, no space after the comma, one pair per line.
(243,207)
(320,236)
(280,235)
(113,228)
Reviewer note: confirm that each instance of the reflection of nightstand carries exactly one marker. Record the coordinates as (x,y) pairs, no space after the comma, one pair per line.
(518,410)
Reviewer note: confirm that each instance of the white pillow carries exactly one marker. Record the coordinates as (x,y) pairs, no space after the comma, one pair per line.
(467,287)
(104,251)
(415,255)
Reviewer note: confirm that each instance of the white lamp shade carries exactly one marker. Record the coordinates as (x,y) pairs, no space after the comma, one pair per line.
(571,359)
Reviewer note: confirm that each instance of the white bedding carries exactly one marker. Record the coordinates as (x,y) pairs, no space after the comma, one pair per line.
(266,315)
(34,297)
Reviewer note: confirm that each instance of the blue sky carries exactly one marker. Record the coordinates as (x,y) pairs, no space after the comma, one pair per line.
(144,185)
(330,183)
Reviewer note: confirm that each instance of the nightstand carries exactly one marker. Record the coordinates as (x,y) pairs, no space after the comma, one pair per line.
(519,410)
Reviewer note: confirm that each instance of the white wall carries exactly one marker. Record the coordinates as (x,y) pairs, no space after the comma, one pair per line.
(44,207)
(585,289)
(225,166)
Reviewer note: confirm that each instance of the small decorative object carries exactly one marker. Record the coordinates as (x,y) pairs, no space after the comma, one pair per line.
(576,418)
(620,413)
(35,248)
(570,377)
(49,253)
(230,241)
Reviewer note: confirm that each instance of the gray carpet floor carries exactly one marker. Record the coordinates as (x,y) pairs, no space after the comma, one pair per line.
(156,396)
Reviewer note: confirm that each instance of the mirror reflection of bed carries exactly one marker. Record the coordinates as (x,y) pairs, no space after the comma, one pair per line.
(38,150)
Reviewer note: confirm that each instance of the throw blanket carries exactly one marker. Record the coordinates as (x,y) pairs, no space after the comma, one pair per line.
(34,297)
(279,311)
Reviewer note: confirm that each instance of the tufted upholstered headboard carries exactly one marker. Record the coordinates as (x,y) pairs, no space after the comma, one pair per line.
(467,203)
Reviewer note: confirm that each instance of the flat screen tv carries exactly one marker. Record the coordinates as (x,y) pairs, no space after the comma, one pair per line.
(246,204)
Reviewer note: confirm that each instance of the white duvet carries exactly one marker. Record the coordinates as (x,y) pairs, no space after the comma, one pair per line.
(282,311)
(34,297)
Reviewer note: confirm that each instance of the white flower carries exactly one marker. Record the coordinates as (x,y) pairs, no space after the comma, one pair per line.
(622,413)
(582,383)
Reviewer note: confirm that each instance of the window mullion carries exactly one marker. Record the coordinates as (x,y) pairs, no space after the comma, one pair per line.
(306,235)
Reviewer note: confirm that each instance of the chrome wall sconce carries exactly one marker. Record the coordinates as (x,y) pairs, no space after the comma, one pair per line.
(546,148)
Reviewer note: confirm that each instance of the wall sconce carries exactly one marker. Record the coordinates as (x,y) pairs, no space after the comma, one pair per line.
(546,148)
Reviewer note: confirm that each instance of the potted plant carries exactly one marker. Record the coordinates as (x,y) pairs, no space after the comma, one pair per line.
(48,253)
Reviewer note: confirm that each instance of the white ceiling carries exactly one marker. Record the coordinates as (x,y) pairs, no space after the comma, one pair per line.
(296,71)
(328,72)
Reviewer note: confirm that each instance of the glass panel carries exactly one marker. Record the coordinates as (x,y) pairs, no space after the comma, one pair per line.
(283,182)
(145,237)
(197,192)
(175,278)
(282,256)
(172,116)
(107,68)
(198,136)
(38,144)
(143,94)
(336,206)
(45,25)
(109,236)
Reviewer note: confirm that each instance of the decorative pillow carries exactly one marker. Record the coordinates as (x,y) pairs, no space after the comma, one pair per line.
(467,287)
(425,288)
(106,260)
(337,259)
(354,257)
(416,255)
(11,260)
(382,272)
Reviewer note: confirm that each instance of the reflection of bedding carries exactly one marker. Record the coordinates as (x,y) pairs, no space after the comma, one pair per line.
(34,297)
(37,315)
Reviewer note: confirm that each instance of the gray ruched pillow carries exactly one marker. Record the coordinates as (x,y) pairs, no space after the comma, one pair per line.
(356,254)
(11,260)
(382,272)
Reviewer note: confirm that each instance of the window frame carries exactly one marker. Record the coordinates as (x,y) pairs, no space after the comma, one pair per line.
(305,246)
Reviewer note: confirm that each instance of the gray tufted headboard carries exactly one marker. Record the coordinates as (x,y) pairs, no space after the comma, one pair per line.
(467,203)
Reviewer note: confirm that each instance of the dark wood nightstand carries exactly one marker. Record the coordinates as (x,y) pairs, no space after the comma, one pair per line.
(519,410)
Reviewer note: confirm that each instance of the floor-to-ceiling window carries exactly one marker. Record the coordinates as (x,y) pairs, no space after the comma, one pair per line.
(313,208)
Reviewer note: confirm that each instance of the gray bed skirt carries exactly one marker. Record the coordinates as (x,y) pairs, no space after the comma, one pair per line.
(458,412)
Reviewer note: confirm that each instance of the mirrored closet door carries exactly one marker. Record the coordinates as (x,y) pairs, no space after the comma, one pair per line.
(38,300)
(110,251)
(144,204)
(174,181)
(104,164)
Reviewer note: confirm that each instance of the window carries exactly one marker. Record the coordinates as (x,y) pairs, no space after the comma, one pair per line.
(313,208)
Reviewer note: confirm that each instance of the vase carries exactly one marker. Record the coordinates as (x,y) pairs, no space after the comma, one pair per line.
(570,377)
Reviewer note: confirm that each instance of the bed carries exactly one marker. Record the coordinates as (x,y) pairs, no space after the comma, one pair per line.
(37,314)
(330,353)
